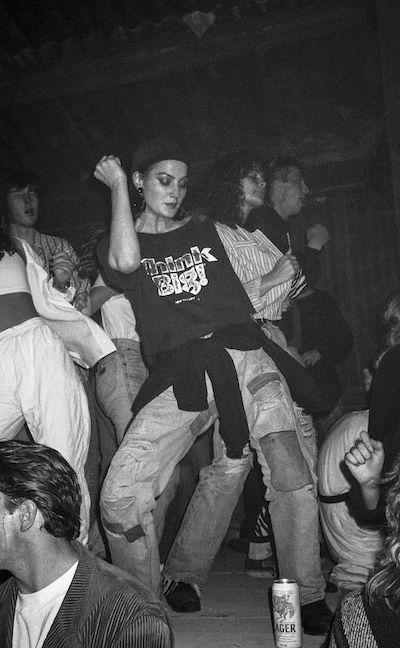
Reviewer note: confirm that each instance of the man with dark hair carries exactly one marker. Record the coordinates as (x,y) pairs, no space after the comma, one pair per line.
(20,191)
(58,591)
(286,194)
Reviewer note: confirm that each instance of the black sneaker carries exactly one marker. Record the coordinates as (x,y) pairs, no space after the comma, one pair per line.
(316,618)
(182,597)
(260,568)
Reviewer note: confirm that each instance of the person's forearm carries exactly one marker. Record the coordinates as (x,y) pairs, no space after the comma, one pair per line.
(269,281)
(370,493)
(96,299)
(124,251)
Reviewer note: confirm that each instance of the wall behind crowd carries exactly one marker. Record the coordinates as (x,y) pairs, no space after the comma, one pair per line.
(360,267)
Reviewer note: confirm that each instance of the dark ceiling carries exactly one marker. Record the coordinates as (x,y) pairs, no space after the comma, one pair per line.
(86,77)
(38,33)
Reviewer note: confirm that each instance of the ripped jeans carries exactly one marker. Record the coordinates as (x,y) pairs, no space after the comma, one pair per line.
(161,435)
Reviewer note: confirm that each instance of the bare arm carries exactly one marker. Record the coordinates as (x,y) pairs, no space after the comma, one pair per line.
(96,299)
(284,270)
(365,461)
(124,251)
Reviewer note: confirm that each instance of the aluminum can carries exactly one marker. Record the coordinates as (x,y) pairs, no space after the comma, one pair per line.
(286,614)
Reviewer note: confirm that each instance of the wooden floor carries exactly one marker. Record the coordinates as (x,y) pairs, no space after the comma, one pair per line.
(235,611)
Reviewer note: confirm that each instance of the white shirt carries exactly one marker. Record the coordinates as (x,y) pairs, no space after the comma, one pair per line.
(117,316)
(35,613)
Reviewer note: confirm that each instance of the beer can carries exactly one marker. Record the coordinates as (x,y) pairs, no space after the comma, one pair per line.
(286,614)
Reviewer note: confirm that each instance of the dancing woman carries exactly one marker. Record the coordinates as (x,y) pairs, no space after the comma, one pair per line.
(194,321)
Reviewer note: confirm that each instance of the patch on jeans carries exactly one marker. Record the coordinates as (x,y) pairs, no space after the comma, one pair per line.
(285,459)
(261,381)
(131,534)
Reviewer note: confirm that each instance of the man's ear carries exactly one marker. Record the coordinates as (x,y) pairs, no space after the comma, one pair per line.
(137,179)
(27,513)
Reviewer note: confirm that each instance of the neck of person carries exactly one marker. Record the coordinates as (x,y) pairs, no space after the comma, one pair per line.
(149,223)
(244,212)
(43,563)
(23,232)
(280,210)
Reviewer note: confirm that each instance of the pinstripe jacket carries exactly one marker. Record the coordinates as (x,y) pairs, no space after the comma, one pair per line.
(103,608)
(253,255)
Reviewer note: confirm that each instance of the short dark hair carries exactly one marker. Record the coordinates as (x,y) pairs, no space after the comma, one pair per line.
(32,471)
(17,178)
(279,169)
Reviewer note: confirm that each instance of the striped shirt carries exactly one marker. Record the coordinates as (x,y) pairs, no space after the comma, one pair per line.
(252,256)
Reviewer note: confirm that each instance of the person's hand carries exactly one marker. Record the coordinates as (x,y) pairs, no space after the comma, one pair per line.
(284,269)
(109,171)
(311,357)
(81,302)
(295,354)
(61,267)
(317,236)
(365,459)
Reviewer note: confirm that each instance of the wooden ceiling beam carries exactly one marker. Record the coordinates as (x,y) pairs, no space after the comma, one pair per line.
(162,57)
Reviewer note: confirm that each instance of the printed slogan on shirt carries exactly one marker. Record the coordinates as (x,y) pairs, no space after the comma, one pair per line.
(186,274)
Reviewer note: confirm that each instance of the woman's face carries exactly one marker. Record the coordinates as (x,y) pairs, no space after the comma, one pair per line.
(253,188)
(164,187)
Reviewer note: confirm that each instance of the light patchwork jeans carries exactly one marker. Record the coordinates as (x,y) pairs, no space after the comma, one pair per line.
(117,380)
(112,393)
(134,369)
(161,435)
(39,384)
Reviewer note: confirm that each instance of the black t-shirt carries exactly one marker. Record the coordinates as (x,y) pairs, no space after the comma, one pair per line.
(184,289)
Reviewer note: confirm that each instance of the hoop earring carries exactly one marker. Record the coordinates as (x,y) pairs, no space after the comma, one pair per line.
(142,205)
(180,214)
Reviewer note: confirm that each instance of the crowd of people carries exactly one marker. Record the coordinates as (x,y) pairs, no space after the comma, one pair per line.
(213,328)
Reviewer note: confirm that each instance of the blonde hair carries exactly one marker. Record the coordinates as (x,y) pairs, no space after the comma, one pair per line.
(384,583)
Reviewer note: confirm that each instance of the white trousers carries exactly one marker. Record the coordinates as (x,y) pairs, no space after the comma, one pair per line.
(352,546)
(39,384)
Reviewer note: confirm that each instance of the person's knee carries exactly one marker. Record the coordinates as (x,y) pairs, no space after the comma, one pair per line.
(127,495)
(126,515)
